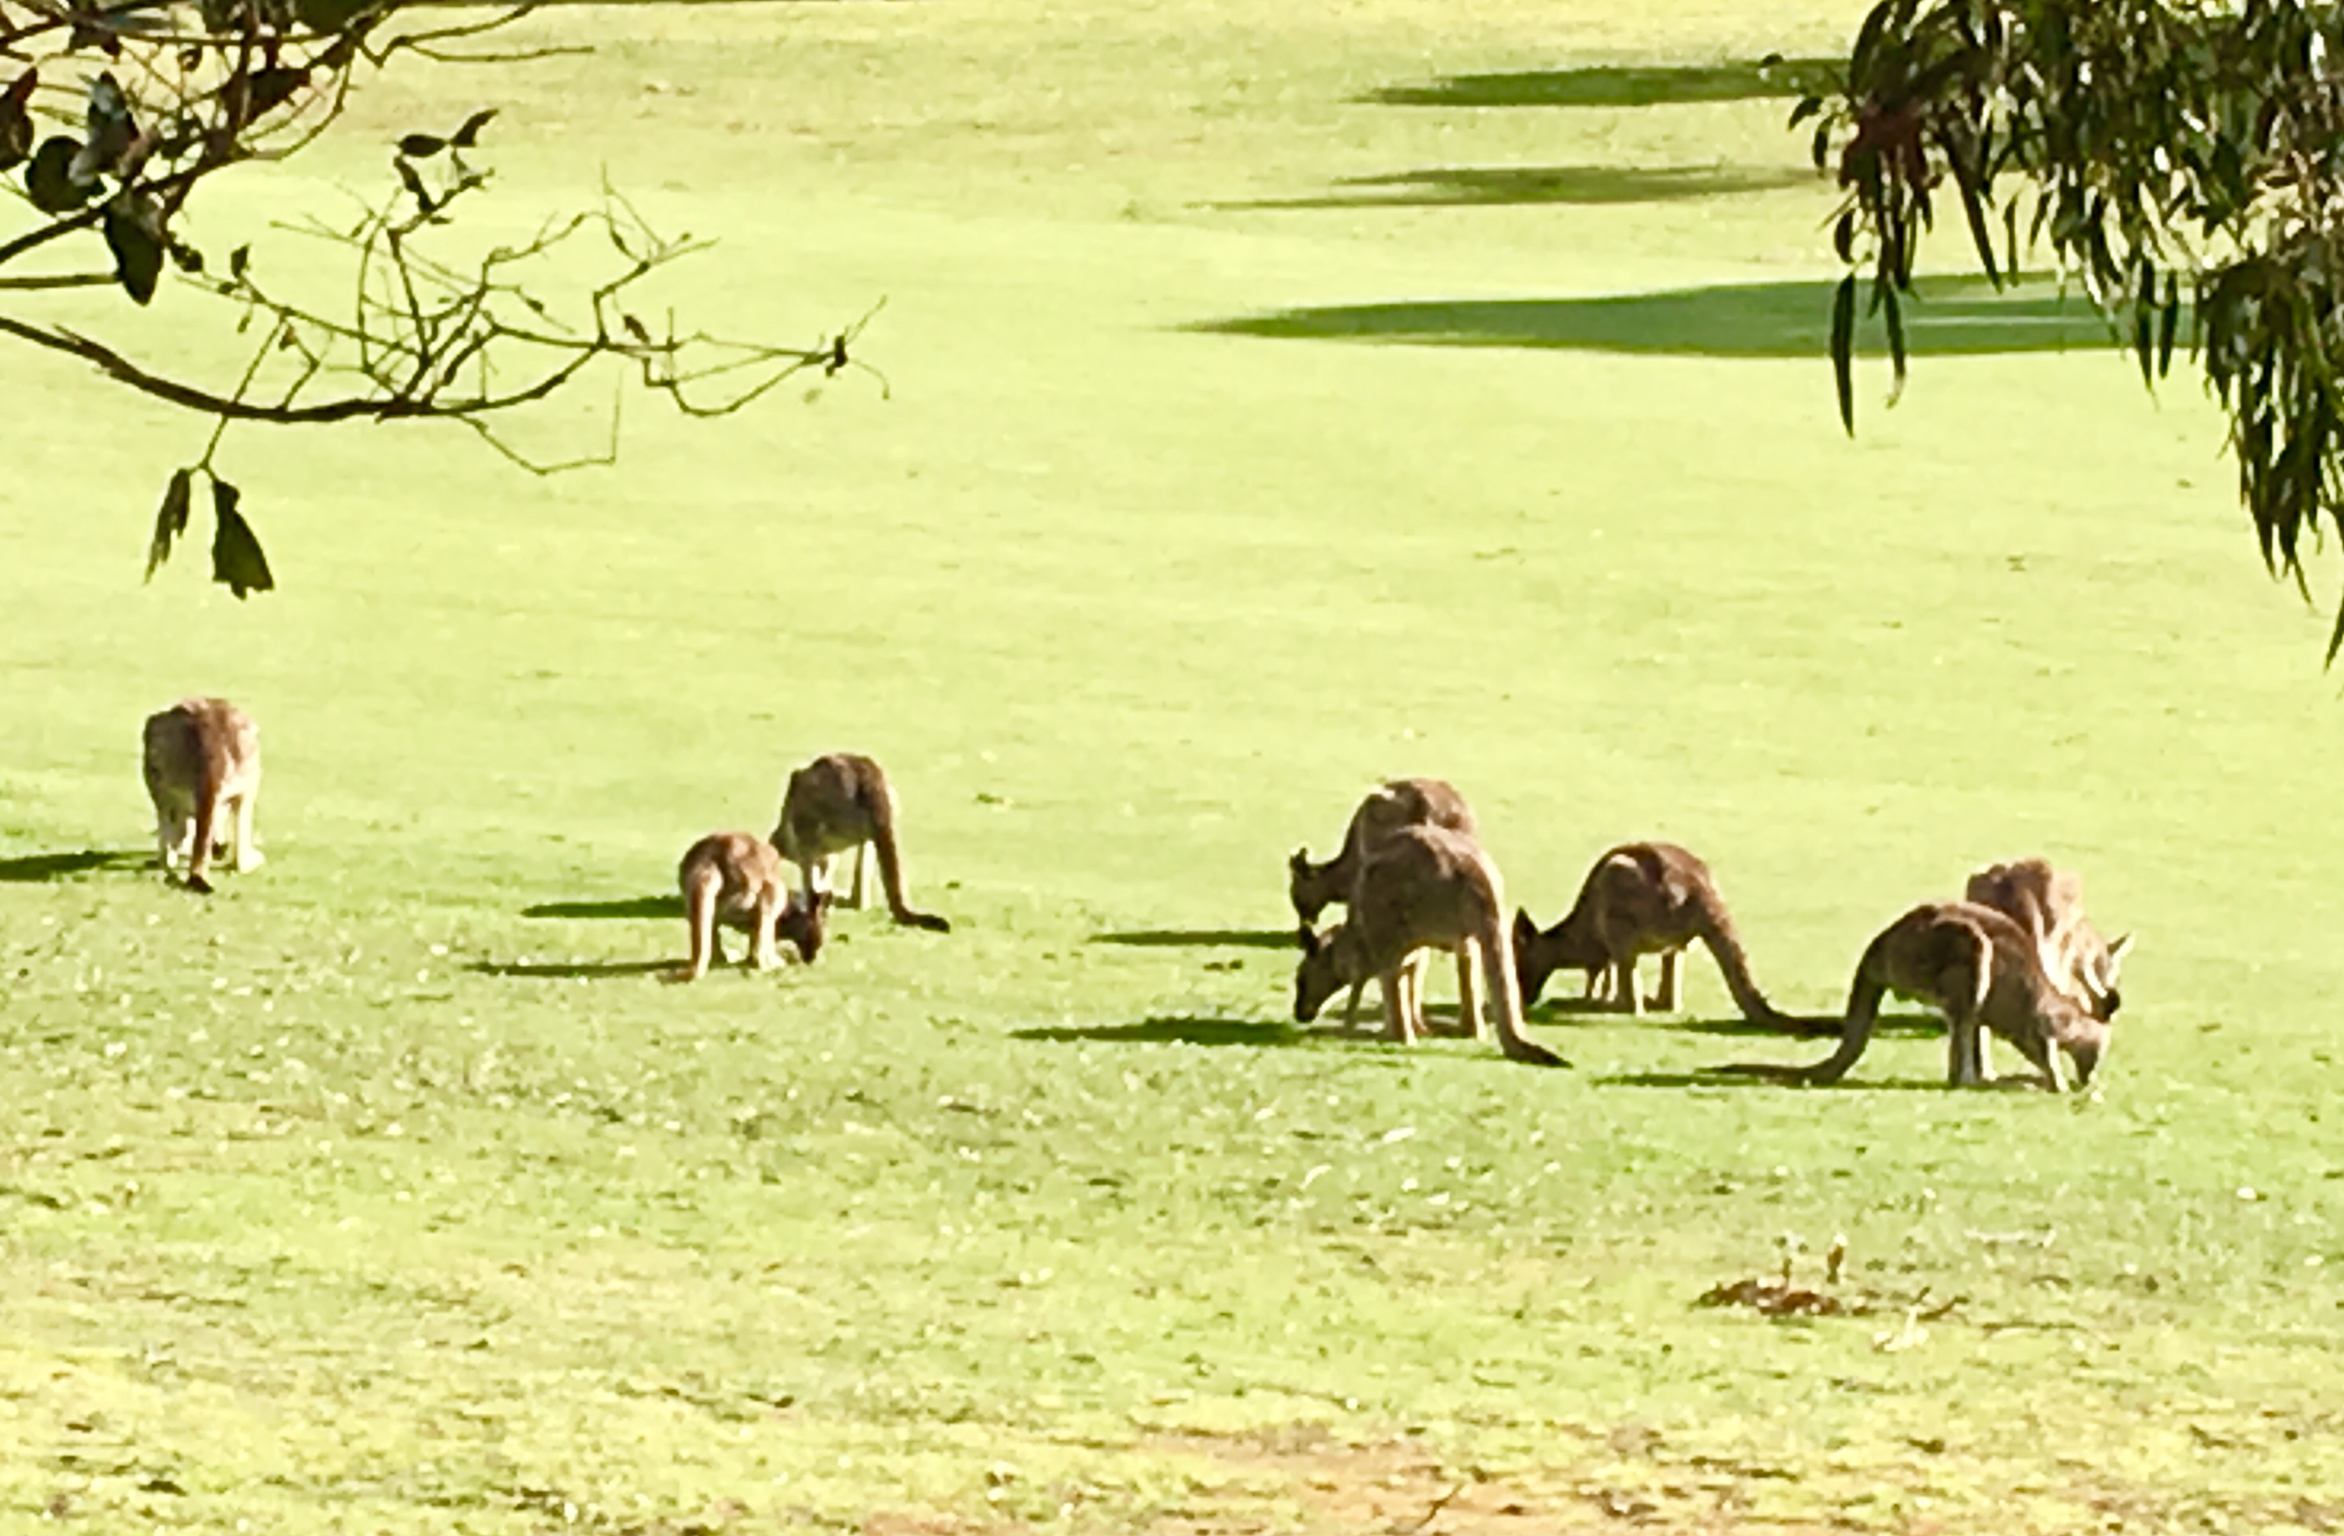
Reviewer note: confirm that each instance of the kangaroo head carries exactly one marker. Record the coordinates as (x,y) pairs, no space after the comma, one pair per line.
(2084,1039)
(804,926)
(1318,977)
(1302,885)
(2097,970)
(1531,969)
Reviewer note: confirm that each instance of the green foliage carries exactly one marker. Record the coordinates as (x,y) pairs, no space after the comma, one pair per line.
(2174,154)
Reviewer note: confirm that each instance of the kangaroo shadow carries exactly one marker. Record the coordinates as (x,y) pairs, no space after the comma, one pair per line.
(1198,938)
(34,868)
(1261,1034)
(1814,1026)
(588,970)
(670,906)
(1713,1078)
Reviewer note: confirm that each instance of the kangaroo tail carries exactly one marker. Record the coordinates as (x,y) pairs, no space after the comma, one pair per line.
(1733,962)
(700,890)
(879,803)
(207,822)
(1856,1033)
(1505,990)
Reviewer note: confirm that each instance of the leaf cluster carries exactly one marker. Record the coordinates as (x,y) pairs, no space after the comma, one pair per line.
(115,114)
(2180,159)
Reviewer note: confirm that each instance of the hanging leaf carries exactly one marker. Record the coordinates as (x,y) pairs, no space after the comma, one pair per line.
(48,181)
(237,562)
(1894,315)
(421,146)
(1843,350)
(137,246)
(272,87)
(171,521)
(466,136)
(2168,325)
(16,121)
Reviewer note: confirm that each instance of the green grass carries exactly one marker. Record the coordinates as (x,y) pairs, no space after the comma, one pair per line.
(390,1191)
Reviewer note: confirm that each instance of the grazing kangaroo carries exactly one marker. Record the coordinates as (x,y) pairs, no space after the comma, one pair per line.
(1641,898)
(1422,887)
(736,878)
(2049,904)
(837,802)
(1983,972)
(1394,804)
(202,764)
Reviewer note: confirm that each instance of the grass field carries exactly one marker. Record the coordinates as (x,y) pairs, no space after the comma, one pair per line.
(1280,402)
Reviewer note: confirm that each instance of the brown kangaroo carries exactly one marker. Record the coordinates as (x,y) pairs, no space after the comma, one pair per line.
(1422,887)
(1983,972)
(203,763)
(1642,898)
(2049,904)
(835,803)
(736,878)
(1394,804)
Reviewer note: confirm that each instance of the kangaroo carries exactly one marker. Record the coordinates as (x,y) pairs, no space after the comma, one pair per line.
(837,802)
(2049,904)
(1641,898)
(203,764)
(1982,970)
(1394,804)
(736,878)
(1421,887)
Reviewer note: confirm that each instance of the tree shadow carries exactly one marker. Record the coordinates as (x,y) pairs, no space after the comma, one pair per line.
(1946,317)
(1261,1034)
(34,868)
(1532,185)
(571,969)
(1621,85)
(670,906)
(1202,938)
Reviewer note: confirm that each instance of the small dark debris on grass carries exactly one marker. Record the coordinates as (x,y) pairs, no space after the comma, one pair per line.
(1774,1298)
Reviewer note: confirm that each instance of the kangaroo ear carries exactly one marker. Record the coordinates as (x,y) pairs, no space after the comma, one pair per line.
(1298,862)
(1524,924)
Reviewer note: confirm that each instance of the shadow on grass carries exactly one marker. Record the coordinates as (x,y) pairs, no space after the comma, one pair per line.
(1202,938)
(668,906)
(571,969)
(1816,1027)
(1947,317)
(1262,1034)
(1712,1078)
(33,868)
(1532,185)
(1619,85)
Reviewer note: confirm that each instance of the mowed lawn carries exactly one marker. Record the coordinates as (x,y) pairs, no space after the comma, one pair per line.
(1278,402)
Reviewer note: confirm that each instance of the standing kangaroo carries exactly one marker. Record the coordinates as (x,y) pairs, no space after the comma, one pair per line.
(1639,899)
(837,802)
(1394,804)
(1422,887)
(1983,972)
(736,878)
(2049,904)
(202,763)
